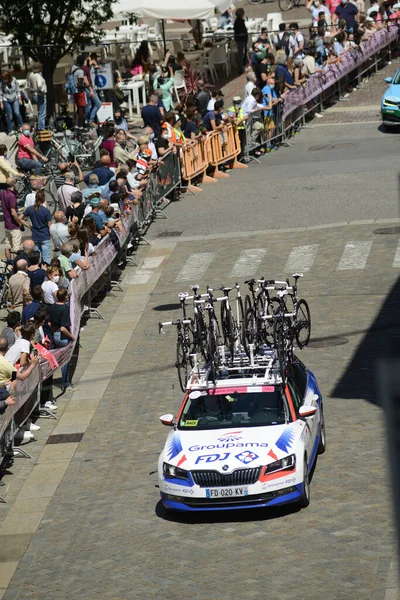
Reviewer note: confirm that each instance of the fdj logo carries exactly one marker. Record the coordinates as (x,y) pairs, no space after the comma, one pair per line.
(247,457)
(211,457)
(230,437)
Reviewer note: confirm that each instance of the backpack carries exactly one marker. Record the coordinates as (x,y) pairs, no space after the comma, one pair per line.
(283,43)
(70,86)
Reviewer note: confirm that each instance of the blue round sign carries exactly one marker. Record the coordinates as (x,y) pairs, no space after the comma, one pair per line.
(100,81)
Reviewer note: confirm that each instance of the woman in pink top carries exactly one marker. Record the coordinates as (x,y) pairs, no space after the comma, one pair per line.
(109,144)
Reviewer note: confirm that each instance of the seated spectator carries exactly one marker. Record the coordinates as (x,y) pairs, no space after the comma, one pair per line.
(13,326)
(66,190)
(60,323)
(5,400)
(20,284)
(28,158)
(65,263)
(59,230)
(94,202)
(50,286)
(35,272)
(20,351)
(30,309)
(93,186)
(7,368)
(103,172)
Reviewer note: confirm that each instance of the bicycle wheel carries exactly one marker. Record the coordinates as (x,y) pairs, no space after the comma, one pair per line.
(240,315)
(51,199)
(285,5)
(228,328)
(302,324)
(272,308)
(255,1)
(249,335)
(200,335)
(182,365)
(279,345)
(212,353)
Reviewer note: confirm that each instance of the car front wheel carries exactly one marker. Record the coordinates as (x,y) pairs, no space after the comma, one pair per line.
(305,496)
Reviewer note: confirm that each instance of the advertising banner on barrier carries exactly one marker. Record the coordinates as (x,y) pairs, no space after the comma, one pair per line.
(24,390)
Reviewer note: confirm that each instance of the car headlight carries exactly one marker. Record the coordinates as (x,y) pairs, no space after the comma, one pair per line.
(171,472)
(388,103)
(289,462)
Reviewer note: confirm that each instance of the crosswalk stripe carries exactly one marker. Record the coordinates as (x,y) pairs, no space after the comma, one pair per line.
(248,262)
(355,256)
(301,258)
(195,266)
(396,262)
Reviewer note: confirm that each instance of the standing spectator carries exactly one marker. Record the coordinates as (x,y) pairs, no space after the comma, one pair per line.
(12,222)
(252,102)
(94,202)
(192,128)
(348,12)
(121,153)
(141,58)
(282,40)
(165,82)
(66,190)
(59,231)
(297,50)
(7,369)
(19,352)
(37,89)
(50,286)
(20,284)
(93,186)
(6,170)
(236,112)
(81,83)
(10,100)
(120,121)
(76,212)
(212,120)
(30,309)
(202,97)
(92,100)
(250,85)
(103,172)
(316,7)
(13,324)
(27,155)
(241,39)
(216,95)
(152,116)
(282,72)
(60,322)
(35,273)
(65,263)
(109,143)
(40,218)
(65,168)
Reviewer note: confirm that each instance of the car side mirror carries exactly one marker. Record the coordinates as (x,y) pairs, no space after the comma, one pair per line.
(307,411)
(388,80)
(167,419)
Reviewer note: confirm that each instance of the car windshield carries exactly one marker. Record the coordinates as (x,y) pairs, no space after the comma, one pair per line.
(244,406)
(396,79)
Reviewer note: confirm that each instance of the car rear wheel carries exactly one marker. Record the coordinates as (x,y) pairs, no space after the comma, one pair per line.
(305,496)
(322,435)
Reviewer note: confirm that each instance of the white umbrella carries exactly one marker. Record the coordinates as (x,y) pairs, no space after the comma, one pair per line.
(175,9)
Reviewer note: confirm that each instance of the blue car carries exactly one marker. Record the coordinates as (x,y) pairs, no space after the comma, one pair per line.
(390,103)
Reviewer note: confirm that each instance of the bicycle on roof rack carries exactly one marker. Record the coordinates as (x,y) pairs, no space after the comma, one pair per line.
(260,338)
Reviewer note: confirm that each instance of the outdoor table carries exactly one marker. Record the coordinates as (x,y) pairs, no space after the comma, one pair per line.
(133,96)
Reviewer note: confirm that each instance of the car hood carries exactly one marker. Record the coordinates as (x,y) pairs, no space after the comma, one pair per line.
(231,448)
(392,93)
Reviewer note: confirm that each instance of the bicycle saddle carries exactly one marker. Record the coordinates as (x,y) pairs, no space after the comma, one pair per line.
(250,282)
(183,295)
(297,275)
(225,289)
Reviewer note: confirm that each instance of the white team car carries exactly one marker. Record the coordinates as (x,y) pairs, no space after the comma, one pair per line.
(243,443)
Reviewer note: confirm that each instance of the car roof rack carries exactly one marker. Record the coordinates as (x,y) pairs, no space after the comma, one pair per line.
(260,368)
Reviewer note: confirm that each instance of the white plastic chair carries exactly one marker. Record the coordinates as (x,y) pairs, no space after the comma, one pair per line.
(205,68)
(179,83)
(273,21)
(218,56)
(177,47)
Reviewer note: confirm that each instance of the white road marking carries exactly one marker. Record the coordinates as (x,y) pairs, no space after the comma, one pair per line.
(396,262)
(195,266)
(139,277)
(152,262)
(248,262)
(301,258)
(355,256)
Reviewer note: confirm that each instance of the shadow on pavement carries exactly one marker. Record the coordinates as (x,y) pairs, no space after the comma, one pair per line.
(359,379)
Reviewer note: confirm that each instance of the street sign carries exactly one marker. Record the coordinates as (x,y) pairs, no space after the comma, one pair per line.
(105,112)
(103,77)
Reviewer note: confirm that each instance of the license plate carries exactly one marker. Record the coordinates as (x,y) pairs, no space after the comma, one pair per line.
(229,492)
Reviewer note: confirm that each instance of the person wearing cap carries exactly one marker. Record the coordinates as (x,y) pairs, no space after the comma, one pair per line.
(94,203)
(216,95)
(236,113)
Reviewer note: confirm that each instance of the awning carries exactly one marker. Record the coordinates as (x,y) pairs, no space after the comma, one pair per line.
(174,9)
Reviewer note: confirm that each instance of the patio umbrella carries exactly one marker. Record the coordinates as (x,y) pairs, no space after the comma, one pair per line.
(175,9)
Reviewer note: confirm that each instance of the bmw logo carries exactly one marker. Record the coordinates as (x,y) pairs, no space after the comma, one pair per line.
(225,467)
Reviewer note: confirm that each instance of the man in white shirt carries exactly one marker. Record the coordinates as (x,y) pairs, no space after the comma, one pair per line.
(374,7)
(297,42)
(250,85)
(252,102)
(216,95)
(66,190)
(59,232)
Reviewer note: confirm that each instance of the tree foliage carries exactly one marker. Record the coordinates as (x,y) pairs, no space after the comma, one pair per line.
(50,29)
